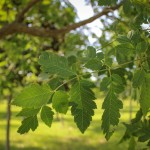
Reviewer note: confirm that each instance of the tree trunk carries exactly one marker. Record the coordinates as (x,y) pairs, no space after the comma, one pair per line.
(8,122)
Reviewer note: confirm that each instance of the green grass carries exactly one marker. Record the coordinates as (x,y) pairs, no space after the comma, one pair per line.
(64,135)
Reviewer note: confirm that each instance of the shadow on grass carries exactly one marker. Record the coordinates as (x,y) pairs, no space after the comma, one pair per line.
(2,147)
(54,144)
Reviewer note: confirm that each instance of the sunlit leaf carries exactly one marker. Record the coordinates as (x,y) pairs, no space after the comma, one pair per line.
(33,96)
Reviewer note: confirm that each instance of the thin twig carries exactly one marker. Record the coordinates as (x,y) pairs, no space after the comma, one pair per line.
(64,83)
(118,66)
(106,45)
(96,72)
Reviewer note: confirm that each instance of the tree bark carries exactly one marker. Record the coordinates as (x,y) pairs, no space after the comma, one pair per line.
(18,27)
(8,122)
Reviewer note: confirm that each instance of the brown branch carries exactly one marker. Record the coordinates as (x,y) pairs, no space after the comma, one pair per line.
(91,19)
(17,27)
(20,16)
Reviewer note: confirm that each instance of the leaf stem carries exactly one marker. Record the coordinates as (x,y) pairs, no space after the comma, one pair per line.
(65,83)
(106,45)
(107,69)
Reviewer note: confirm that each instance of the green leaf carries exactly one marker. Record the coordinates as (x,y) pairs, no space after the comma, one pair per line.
(144,130)
(135,36)
(132,144)
(47,115)
(138,116)
(94,64)
(107,2)
(121,58)
(127,7)
(123,39)
(60,102)
(111,115)
(104,2)
(83,110)
(71,60)
(28,112)
(86,75)
(27,124)
(80,93)
(100,55)
(124,52)
(108,62)
(90,52)
(116,79)
(141,47)
(105,83)
(87,83)
(54,83)
(82,118)
(145,95)
(54,64)
(117,83)
(130,129)
(144,137)
(33,96)
(126,48)
(138,78)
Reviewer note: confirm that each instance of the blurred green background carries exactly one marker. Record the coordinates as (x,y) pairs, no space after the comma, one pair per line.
(64,134)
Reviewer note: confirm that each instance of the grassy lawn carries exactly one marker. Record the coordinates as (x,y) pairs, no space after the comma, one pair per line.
(64,135)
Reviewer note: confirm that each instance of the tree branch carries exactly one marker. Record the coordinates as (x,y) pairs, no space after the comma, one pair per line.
(91,19)
(18,27)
